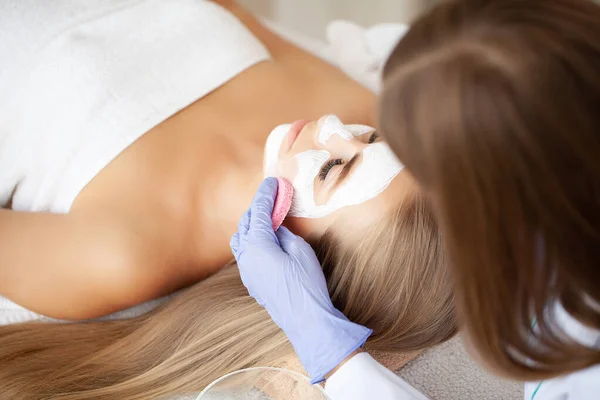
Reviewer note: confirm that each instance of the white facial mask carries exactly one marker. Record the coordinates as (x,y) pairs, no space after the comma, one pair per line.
(378,167)
(272,147)
(376,171)
(332,125)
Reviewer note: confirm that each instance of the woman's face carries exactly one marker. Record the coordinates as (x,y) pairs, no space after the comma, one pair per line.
(337,171)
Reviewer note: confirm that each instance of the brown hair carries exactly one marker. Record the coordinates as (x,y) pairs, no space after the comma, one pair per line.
(394,282)
(494,106)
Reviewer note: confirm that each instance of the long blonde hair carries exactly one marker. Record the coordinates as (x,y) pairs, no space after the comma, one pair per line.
(394,282)
(494,106)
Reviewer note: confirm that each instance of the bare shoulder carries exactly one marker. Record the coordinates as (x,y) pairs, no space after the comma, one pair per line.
(81,265)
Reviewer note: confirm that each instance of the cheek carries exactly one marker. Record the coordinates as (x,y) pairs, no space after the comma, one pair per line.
(287,168)
(307,166)
(321,194)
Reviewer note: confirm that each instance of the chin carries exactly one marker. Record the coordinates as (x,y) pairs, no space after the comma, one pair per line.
(272,148)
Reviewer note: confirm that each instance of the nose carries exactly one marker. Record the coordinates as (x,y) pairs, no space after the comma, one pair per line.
(344,146)
(332,135)
(329,133)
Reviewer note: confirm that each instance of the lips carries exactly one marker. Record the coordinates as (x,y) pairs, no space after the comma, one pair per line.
(294,132)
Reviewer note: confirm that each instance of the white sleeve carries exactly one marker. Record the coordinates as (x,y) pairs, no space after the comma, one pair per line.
(363,378)
(582,385)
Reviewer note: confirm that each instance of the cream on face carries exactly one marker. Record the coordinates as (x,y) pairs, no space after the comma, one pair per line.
(377,168)
(331,125)
(272,147)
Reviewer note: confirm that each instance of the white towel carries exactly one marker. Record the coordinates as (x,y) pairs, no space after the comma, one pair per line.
(362,52)
(358,51)
(83,79)
(11,313)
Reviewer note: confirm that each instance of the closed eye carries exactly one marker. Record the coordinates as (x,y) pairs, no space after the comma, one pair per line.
(374,136)
(328,166)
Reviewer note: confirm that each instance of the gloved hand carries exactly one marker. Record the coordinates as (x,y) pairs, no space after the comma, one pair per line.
(281,271)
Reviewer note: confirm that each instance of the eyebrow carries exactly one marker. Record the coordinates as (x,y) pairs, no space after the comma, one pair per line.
(346,170)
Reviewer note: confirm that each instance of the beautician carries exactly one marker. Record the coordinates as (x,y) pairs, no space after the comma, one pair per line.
(494,107)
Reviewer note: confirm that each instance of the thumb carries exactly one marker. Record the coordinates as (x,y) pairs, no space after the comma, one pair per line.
(289,242)
(261,225)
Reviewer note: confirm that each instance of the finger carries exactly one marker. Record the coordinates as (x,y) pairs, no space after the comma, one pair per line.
(262,205)
(261,224)
(289,241)
(304,256)
(235,244)
(244,223)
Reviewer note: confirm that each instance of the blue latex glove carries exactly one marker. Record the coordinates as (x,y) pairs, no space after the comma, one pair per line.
(281,271)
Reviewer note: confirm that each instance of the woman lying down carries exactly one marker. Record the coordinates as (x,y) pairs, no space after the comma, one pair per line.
(134,135)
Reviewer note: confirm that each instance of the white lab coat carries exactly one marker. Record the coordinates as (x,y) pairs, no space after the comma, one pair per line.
(363,378)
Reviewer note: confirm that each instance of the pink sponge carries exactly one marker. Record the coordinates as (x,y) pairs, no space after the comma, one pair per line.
(283,202)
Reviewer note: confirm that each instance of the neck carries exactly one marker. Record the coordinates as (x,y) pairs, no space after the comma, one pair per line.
(236,184)
(223,195)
